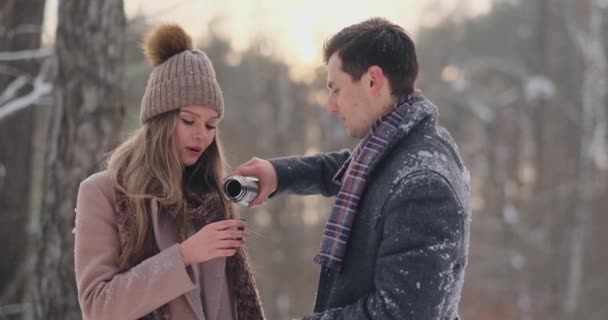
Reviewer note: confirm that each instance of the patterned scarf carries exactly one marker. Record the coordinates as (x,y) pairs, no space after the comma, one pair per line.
(204,209)
(353,177)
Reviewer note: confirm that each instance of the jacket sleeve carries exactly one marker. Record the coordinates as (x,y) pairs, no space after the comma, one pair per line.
(420,257)
(104,292)
(310,174)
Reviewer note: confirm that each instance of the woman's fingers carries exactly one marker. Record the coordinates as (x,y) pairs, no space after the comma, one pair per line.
(225,224)
(232,234)
(225,252)
(229,244)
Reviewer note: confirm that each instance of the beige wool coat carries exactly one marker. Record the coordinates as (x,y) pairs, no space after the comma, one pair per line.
(197,292)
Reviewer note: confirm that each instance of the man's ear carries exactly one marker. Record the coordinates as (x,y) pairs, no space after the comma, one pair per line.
(377,80)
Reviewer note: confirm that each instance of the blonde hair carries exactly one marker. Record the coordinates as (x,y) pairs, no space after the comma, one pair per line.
(147,165)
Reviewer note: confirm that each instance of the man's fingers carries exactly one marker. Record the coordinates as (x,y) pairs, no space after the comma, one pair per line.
(257,168)
(243,168)
(262,197)
(258,201)
(246,170)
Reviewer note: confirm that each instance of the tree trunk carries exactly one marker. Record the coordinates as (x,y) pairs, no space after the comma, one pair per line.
(87,115)
(20,23)
(588,36)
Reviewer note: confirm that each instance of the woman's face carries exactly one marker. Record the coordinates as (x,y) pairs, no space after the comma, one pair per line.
(195,131)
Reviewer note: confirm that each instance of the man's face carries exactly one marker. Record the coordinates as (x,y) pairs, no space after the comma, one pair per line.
(349,100)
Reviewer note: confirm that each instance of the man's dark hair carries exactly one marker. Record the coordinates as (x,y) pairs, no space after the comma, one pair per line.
(379,42)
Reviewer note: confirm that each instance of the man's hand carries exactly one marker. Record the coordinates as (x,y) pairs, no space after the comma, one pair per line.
(265,172)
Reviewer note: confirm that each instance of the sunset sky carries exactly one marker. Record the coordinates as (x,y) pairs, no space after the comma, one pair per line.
(295,29)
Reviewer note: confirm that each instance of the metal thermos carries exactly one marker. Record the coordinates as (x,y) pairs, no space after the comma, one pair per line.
(241,190)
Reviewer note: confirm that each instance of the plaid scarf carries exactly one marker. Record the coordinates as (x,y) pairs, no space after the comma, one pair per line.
(202,210)
(353,177)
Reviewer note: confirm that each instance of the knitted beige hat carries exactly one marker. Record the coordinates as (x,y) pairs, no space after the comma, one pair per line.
(181,76)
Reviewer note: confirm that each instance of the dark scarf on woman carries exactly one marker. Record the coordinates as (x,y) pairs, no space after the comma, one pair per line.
(205,208)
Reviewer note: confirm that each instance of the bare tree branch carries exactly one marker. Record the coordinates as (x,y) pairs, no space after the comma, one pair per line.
(11,90)
(40,89)
(26,54)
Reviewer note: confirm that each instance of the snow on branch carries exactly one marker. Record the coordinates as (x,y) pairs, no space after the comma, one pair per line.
(25,54)
(11,90)
(41,88)
(539,87)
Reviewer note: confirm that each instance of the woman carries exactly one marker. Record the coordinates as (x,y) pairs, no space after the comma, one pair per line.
(154,237)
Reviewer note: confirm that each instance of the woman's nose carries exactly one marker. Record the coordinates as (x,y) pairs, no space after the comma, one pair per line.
(201,133)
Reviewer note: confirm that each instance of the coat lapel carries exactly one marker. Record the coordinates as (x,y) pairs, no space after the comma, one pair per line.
(166,236)
(213,273)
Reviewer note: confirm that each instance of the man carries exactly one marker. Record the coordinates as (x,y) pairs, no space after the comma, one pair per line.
(395,245)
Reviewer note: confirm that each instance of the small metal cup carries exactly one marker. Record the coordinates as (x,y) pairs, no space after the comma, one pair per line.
(241,190)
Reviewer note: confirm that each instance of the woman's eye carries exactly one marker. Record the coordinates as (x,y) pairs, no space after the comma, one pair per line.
(210,127)
(188,122)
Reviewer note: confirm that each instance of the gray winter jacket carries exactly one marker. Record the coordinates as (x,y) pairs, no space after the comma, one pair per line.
(408,247)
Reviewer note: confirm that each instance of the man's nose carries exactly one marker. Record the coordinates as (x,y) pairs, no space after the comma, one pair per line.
(332,106)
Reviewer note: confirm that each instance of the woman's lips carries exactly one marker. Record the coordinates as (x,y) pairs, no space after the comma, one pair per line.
(194,151)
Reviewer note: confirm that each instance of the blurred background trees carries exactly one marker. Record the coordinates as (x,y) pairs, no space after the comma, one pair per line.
(521,88)
(20,39)
(84,122)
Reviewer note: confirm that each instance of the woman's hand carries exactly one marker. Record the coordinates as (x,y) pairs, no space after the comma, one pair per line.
(218,239)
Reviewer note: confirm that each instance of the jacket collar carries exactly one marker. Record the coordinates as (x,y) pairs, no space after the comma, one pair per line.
(418,109)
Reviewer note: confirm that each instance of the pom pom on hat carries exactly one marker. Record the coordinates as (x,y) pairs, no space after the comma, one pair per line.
(164,42)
